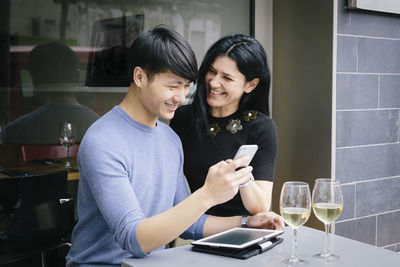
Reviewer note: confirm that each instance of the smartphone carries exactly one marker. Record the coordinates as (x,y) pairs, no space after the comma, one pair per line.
(249,150)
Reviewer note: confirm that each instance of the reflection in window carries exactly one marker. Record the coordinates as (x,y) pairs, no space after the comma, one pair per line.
(99,32)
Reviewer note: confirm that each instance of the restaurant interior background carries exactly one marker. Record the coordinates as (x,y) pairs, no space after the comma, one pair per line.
(335,90)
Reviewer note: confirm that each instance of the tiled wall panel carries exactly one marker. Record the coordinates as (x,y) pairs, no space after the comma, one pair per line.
(363,230)
(355,128)
(357,91)
(367,125)
(367,162)
(388,230)
(378,196)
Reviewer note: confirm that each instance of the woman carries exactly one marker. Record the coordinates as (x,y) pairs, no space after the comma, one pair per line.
(230,109)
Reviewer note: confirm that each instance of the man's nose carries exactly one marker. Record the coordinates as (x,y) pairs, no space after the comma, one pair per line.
(180,96)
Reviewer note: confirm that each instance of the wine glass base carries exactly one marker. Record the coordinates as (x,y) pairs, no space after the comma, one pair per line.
(67,165)
(327,257)
(294,262)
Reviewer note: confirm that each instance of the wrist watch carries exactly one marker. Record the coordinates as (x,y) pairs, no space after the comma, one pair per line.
(243,221)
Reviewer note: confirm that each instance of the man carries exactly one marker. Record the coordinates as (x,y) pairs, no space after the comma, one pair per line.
(132,195)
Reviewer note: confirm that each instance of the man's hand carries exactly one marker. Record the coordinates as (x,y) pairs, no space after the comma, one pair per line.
(223,180)
(267,220)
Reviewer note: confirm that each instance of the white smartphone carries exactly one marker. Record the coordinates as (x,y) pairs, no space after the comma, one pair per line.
(249,150)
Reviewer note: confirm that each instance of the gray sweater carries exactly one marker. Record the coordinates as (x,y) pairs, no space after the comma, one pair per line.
(128,172)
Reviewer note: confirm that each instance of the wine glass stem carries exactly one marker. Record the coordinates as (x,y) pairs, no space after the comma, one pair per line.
(294,242)
(326,251)
(67,153)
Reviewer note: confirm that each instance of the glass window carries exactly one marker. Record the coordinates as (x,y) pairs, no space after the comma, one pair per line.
(66,59)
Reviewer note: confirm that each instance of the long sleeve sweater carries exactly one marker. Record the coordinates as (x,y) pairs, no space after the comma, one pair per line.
(128,172)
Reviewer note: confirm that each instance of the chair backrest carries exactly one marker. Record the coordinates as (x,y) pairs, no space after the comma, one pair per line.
(50,151)
(31,213)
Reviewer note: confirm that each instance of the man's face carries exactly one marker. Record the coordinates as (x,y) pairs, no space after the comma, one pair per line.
(162,96)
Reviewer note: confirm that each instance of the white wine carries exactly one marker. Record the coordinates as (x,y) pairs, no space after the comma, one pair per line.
(327,212)
(295,216)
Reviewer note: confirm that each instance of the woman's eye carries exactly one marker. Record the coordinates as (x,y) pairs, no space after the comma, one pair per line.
(228,78)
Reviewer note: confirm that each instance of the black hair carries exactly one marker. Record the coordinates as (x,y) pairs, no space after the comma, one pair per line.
(163,49)
(251,60)
(53,63)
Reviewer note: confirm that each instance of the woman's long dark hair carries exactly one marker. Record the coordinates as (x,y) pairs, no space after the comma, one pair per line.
(251,61)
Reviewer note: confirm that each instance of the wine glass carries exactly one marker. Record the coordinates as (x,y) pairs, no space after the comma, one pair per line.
(295,208)
(67,138)
(327,206)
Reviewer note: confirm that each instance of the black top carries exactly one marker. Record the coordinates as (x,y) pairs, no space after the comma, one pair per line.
(202,153)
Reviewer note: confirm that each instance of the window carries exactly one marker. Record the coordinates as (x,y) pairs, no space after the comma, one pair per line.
(93,30)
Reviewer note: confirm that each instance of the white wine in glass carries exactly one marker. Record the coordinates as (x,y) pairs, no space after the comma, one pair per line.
(295,208)
(67,138)
(327,205)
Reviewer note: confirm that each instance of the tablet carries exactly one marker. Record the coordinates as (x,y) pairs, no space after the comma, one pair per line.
(238,238)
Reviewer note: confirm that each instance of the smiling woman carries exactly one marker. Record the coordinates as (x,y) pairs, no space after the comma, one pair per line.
(225,86)
(230,109)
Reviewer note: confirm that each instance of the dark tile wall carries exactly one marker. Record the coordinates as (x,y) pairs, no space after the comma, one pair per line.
(388,230)
(368,126)
(363,229)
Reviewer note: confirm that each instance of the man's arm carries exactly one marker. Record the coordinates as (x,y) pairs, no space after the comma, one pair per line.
(222,183)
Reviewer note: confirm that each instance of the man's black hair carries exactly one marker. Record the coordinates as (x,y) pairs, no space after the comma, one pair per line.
(163,49)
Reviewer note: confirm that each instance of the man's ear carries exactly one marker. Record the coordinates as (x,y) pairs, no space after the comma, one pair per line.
(251,85)
(139,76)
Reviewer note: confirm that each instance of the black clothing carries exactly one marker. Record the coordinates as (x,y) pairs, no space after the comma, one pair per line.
(200,154)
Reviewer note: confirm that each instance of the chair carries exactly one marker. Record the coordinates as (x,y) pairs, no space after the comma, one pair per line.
(36,215)
(50,151)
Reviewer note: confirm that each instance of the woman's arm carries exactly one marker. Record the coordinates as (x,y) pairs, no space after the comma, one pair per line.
(266,220)
(256,196)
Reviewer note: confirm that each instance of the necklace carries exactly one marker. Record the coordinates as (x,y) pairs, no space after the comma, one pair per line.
(233,126)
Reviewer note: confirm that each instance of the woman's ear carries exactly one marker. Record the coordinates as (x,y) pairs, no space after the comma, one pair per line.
(251,85)
(139,76)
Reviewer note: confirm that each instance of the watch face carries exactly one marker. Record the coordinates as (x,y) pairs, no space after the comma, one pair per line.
(243,221)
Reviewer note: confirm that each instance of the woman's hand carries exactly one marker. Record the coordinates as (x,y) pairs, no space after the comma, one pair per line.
(267,220)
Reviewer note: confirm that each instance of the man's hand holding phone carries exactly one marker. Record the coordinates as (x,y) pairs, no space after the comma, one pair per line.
(224,178)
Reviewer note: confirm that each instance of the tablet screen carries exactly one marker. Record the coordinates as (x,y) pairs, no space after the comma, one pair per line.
(237,238)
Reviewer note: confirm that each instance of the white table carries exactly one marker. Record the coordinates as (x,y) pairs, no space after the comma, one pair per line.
(310,241)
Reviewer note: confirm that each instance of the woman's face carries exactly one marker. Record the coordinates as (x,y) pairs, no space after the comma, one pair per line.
(225,86)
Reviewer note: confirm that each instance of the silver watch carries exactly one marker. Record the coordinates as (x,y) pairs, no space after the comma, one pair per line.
(243,221)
